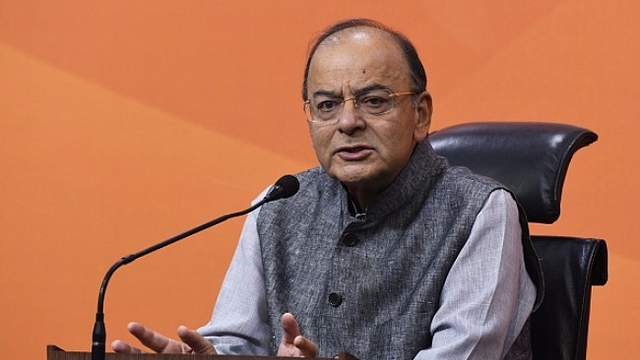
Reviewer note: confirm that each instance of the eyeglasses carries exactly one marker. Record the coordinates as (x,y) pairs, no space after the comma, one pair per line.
(324,109)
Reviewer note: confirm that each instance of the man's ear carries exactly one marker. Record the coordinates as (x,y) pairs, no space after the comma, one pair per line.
(424,109)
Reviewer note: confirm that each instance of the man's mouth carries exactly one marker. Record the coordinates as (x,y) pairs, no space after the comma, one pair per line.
(354,153)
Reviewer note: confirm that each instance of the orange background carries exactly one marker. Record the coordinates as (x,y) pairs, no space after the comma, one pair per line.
(125,122)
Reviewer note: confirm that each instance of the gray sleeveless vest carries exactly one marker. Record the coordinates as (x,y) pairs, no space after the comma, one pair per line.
(368,286)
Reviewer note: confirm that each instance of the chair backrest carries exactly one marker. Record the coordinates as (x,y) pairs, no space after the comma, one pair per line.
(531,159)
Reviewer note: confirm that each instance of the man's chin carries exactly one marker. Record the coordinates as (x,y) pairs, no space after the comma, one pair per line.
(353,174)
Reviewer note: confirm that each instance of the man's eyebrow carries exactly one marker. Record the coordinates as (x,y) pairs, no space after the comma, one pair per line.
(327,93)
(335,94)
(371,87)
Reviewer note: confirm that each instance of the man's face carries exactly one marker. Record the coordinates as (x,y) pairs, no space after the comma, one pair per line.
(365,152)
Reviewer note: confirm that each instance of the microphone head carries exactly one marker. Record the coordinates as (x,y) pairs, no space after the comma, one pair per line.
(285,187)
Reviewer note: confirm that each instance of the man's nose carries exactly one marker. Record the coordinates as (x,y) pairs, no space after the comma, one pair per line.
(350,117)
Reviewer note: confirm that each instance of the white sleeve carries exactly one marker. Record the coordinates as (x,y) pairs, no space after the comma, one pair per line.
(239,324)
(488,295)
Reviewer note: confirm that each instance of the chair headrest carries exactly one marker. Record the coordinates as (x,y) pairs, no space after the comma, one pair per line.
(529,158)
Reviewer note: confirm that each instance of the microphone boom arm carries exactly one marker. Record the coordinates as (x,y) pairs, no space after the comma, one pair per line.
(98,349)
(285,187)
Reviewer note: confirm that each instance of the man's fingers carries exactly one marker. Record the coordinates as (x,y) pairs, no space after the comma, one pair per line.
(149,338)
(124,348)
(293,343)
(193,342)
(197,343)
(290,328)
(307,347)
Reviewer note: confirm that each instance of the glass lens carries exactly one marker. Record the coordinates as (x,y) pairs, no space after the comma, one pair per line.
(375,102)
(325,108)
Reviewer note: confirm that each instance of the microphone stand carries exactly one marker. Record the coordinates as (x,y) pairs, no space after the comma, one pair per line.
(99,331)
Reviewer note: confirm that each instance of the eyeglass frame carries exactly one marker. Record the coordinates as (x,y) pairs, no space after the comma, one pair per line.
(392,95)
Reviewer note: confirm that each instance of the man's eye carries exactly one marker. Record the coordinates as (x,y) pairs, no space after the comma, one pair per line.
(328,105)
(373,101)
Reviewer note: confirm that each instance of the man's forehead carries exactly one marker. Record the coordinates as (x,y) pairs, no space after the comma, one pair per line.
(360,54)
(355,34)
(362,45)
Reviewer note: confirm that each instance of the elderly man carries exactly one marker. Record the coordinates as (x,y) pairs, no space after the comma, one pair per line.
(386,252)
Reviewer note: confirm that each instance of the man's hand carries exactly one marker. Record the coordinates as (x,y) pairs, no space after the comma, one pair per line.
(293,344)
(193,342)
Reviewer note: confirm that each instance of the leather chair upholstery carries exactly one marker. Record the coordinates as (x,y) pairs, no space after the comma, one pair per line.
(531,159)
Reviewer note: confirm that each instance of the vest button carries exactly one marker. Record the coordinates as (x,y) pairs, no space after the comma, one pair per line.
(335,299)
(349,239)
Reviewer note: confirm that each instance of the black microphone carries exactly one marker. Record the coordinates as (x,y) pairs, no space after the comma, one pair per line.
(285,187)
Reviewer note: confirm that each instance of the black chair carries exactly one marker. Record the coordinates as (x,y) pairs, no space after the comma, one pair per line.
(531,159)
